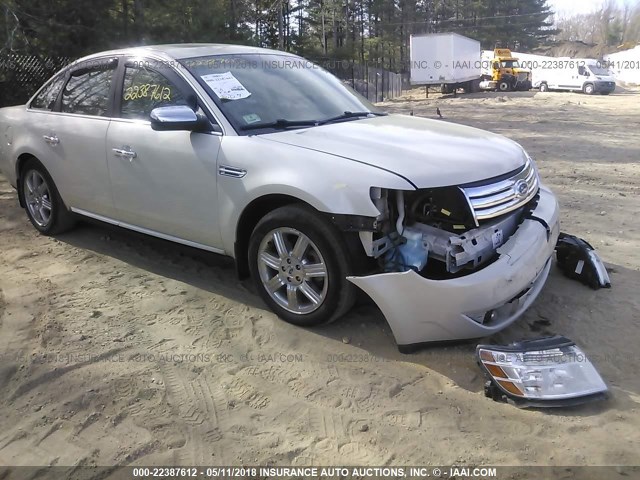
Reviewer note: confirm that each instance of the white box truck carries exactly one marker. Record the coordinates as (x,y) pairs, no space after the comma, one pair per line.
(446,59)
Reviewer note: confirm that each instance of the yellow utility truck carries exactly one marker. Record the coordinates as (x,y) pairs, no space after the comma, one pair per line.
(501,71)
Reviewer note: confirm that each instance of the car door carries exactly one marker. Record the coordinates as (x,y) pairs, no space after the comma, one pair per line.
(41,124)
(75,135)
(163,182)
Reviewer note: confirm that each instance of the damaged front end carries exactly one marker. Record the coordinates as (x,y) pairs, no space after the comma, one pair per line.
(462,261)
(451,230)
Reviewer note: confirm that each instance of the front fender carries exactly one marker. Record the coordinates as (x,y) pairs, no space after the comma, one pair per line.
(328,183)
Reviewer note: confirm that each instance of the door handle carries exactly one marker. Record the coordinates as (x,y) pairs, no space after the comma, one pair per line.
(51,139)
(125,152)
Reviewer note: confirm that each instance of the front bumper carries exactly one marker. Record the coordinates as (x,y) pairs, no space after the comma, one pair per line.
(604,87)
(421,310)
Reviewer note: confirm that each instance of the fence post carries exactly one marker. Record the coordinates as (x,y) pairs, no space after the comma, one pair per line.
(366,78)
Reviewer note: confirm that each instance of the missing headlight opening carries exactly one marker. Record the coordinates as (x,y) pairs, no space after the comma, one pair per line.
(436,233)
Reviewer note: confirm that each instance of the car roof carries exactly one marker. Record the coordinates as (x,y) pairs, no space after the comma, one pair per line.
(179,51)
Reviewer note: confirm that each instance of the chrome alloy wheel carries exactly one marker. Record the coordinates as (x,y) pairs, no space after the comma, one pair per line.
(292,270)
(38,198)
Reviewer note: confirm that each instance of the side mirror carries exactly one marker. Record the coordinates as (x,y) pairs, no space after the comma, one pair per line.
(178,117)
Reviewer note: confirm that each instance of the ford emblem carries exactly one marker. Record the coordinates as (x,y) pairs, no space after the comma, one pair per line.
(521,188)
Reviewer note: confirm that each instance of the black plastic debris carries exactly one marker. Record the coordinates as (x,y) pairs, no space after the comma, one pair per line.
(578,260)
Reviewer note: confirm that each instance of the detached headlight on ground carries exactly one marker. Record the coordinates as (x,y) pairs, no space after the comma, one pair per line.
(546,372)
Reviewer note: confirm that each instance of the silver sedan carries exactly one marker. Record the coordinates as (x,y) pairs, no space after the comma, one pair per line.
(315,192)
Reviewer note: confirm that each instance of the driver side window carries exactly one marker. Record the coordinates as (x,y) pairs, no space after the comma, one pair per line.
(146,89)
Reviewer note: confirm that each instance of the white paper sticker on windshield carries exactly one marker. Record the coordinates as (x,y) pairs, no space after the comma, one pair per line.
(226,86)
(251,118)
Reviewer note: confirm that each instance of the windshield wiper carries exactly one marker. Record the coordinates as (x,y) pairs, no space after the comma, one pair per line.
(281,123)
(347,115)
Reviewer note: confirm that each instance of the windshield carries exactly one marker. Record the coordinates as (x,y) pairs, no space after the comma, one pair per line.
(597,70)
(510,64)
(275,91)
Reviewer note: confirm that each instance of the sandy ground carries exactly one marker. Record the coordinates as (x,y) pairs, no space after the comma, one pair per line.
(121,349)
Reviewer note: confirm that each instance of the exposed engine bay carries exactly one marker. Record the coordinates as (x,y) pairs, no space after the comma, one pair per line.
(434,232)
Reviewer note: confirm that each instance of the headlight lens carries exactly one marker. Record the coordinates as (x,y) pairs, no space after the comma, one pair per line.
(545,372)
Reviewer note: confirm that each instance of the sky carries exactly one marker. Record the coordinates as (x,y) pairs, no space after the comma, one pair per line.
(567,8)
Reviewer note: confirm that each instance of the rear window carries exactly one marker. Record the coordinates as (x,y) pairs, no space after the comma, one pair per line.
(46,99)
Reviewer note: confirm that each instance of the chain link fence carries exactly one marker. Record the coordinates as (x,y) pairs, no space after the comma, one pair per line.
(22,75)
(375,84)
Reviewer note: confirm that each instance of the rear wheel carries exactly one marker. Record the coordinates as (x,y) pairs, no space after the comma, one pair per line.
(544,87)
(299,264)
(45,209)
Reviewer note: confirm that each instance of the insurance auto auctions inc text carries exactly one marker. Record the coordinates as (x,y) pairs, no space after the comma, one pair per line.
(377,472)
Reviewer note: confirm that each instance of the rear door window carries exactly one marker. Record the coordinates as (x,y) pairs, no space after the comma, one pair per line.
(88,89)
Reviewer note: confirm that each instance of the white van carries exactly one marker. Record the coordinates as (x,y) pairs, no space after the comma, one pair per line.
(577,74)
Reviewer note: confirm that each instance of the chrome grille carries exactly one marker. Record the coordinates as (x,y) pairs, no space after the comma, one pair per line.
(495,199)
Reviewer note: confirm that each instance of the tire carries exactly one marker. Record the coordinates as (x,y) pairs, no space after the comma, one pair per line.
(589,89)
(504,86)
(42,202)
(544,87)
(273,259)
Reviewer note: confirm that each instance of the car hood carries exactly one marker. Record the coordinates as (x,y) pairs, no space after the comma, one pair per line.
(427,153)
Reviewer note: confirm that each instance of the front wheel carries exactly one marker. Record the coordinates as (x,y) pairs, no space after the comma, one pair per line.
(544,87)
(589,89)
(299,264)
